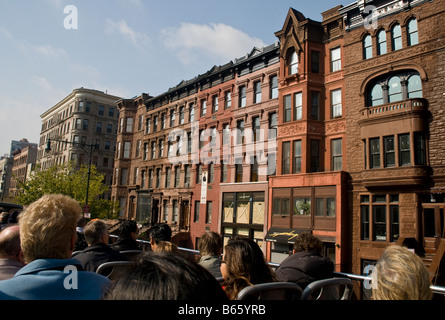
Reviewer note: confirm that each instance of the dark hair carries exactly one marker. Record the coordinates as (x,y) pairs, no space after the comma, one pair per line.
(126,228)
(166,276)
(246,266)
(161,232)
(210,243)
(306,242)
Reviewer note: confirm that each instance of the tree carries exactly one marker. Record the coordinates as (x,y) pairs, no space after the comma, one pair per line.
(71,181)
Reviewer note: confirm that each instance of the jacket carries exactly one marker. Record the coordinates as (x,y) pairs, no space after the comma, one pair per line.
(93,256)
(303,268)
(54,279)
(213,264)
(9,267)
(125,244)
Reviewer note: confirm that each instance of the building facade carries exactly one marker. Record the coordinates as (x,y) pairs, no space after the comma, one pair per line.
(394,75)
(84,118)
(24,162)
(192,149)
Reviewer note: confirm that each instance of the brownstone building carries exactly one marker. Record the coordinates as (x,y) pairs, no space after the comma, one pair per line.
(308,190)
(394,79)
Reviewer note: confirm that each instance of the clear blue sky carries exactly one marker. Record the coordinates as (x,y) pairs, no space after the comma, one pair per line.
(124,47)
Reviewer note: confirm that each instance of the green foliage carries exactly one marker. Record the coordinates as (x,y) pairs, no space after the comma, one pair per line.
(71,181)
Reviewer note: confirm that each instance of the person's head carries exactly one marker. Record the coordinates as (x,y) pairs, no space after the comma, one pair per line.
(48,228)
(306,242)
(96,231)
(243,264)
(210,244)
(160,232)
(10,243)
(166,276)
(400,275)
(128,229)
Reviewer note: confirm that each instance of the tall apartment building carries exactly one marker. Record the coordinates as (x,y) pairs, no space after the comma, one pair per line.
(184,153)
(394,78)
(23,163)
(308,191)
(84,117)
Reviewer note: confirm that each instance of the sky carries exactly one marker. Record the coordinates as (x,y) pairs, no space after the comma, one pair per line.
(48,48)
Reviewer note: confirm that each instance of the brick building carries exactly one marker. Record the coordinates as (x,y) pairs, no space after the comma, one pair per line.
(394,79)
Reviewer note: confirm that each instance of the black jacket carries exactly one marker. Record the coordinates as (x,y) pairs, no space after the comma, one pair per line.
(125,244)
(93,256)
(303,268)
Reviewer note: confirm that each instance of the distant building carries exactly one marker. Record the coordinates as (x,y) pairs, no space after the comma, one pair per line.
(18,145)
(84,117)
(6,164)
(24,163)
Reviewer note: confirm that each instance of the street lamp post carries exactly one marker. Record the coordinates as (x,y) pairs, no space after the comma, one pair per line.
(84,147)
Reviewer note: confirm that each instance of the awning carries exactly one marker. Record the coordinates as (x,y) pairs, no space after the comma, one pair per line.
(282,235)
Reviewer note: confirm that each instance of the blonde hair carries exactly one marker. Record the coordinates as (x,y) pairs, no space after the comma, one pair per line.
(400,275)
(46,227)
(166,246)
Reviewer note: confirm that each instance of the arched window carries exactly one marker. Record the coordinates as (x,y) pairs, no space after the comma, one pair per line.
(414,87)
(367,47)
(396,37)
(381,40)
(376,95)
(394,89)
(413,35)
(292,62)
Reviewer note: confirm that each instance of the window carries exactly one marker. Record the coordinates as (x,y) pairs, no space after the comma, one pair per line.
(165,210)
(85,124)
(273,122)
(167,177)
(129,127)
(209,212)
(292,60)
(127,148)
(254,170)
(111,112)
(161,148)
(315,105)
(215,104)
(390,155)
(414,86)
(226,134)
(367,47)
(99,127)
(187,175)
(315,61)
(376,95)
(394,89)
(175,214)
(336,105)
(396,37)
(227,100)
(198,173)
(240,132)
(257,92)
(413,35)
(256,128)
(101,110)
(158,178)
(238,172)
(211,174)
(138,148)
(155,123)
(192,112)
(163,121)
(374,153)
(296,166)
(281,202)
(203,107)
(177,176)
(88,106)
(242,96)
(419,149)
(109,128)
(172,118)
(335,59)
(325,198)
(384,222)
(315,155)
(381,42)
(153,150)
(273,87)
(147,126)
(286,158)
(181,115)
(78,124)
(224,170)
(196,215)
(336,154)
(287,105)
(124,176)
(404,150)
(298,103)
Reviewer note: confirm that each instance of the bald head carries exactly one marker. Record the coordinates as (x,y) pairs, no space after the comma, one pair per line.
(10,242)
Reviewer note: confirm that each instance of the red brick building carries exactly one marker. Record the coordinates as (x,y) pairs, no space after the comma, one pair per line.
(308,190)
(394,79)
